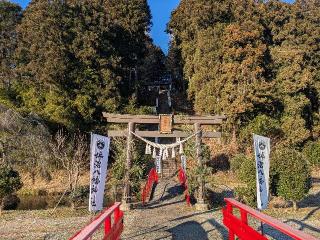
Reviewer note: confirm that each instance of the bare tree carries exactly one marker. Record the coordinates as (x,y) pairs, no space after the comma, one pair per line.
(24,141)
(72,154)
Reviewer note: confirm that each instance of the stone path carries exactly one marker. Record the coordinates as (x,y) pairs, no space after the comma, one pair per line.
(168,217)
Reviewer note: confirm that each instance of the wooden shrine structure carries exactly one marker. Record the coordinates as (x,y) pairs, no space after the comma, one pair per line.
(166,128)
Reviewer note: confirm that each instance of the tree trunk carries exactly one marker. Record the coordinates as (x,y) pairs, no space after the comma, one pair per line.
(234,141)
(70,179)
(295,205)
(114,188)
(1,206)
(73,205)
(33,177)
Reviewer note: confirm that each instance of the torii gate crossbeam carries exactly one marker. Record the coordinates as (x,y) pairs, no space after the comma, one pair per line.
(132,120)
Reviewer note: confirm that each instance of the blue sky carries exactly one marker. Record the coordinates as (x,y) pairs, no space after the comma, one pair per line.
(161,10)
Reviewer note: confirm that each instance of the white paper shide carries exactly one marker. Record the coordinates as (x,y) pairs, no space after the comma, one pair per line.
(158,164)
(262,152)
(184,162)
(99,154)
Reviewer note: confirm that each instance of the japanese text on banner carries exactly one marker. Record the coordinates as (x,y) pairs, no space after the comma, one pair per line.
(98,170)
(262,151)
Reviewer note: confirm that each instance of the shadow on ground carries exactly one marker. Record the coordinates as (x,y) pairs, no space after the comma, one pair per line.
(217,198)
(190,230)
(303,226)
(220,228)
(172,192)
(312,200)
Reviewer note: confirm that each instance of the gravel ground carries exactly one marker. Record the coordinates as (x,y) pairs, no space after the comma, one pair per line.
(41,224)
(166,217)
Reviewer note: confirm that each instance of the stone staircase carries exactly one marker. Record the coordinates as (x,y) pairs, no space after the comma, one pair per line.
(170,167)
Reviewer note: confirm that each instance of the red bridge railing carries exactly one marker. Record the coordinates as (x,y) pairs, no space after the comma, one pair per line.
(183,181)
(152,178)
(239,226)
(112,218)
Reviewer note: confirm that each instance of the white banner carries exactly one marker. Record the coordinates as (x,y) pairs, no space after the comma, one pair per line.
(184,162)
(99,154)
(262,152)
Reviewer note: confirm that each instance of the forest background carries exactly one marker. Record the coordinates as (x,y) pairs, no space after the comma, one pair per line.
(65,62)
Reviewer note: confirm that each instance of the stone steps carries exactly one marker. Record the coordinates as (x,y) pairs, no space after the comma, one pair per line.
(169,167)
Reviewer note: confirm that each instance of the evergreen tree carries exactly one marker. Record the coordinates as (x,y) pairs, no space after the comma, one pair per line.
(10,15)
(296,62)
(225,56)
(131,25)
(248,58)
(75,58)
(10,182)
(153,65)
(43,61)
(175,67)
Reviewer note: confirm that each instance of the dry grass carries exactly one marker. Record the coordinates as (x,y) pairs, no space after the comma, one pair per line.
(57,184)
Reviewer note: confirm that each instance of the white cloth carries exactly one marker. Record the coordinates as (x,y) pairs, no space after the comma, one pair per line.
(262,152)
(99,154)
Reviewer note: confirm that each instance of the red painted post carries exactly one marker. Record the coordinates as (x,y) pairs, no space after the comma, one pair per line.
(112,229)
(244,216)
(230,211)
(241,229)
(156,177)
(152,178)
(117,214)
(229,208)
(107,226)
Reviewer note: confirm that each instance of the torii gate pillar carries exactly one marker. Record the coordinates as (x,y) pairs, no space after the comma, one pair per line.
(126,199)
(200,205)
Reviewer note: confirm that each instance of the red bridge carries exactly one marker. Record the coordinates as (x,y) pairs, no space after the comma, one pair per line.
(111,220)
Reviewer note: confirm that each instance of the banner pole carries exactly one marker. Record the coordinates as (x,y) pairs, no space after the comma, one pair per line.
(261,224)
(262,232)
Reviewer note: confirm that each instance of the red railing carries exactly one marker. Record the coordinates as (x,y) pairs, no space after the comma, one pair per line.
(152,178)
(183,181)
(112,226)
(239,226)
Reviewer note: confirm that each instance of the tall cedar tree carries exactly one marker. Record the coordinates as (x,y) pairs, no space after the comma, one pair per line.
(224,52)
(44,62)
(296,56)
(10,15)
(248,58)
(175,67)
(75,55)
(153,66)
(131,25)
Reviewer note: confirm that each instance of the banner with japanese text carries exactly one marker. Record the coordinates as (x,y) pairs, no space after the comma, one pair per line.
(99,154)
(262,152)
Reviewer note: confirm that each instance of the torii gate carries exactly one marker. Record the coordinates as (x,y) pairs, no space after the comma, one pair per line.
(166,129)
